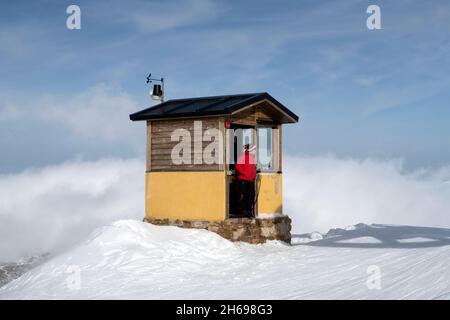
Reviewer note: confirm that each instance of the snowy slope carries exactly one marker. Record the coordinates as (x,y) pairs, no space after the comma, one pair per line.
(131,259)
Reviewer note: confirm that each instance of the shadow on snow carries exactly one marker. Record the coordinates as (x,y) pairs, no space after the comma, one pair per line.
(382,236)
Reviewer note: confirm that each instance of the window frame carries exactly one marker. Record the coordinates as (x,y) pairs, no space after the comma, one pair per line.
(275,146)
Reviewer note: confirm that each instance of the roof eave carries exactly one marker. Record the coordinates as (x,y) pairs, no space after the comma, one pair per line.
(134,117)
(254,98)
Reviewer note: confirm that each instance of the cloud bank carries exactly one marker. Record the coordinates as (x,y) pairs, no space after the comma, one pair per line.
(325,192)
(48,209)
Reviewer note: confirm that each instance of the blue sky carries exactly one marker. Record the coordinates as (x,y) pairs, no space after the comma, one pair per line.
(66,94)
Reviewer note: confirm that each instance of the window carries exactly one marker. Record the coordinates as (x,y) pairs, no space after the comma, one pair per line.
(267,149)
(240,137)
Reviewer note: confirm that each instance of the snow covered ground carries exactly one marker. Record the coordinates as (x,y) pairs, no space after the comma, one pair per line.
(135,260)
(12,270)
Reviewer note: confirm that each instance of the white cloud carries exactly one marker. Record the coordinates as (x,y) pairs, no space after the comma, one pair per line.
(47,209)
(100,113)
(15,41)
(9,112)
(368,81)
(325,192)
(152,17)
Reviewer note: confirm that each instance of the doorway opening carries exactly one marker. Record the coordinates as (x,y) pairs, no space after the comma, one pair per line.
(241,195)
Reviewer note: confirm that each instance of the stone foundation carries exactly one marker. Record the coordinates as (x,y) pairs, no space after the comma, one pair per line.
(239,229)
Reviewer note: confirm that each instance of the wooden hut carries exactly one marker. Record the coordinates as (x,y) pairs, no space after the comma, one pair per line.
(192,147)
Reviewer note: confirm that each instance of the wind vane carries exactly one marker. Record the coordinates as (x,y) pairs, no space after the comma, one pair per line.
(157,93)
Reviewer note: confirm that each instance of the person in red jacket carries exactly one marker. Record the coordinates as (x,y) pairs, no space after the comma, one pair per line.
(245,175)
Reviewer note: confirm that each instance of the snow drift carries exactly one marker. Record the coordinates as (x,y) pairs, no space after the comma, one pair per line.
(136,260)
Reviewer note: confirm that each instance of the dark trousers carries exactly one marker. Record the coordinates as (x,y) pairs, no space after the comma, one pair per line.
(246,194)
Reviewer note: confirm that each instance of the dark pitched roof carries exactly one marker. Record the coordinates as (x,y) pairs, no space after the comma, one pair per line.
(217,105)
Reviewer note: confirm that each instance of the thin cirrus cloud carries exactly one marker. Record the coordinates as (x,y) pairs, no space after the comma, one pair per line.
(100,113)
(143,18)
(51,128)
(158,17)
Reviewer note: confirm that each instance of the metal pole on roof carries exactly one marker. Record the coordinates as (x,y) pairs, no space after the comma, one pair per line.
(155,94)
(163,91)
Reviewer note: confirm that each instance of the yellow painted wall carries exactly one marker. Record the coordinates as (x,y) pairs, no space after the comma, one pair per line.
(270,199)
(186,195)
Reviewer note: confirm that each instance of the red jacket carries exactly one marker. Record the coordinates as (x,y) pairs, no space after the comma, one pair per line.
(246,167)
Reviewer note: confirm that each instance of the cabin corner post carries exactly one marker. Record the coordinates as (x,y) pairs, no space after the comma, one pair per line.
(149,147)
(148,156)
(280,149)
(225,162)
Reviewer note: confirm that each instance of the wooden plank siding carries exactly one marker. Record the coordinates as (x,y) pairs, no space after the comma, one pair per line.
(245,117)
(253,114)
(161,145)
